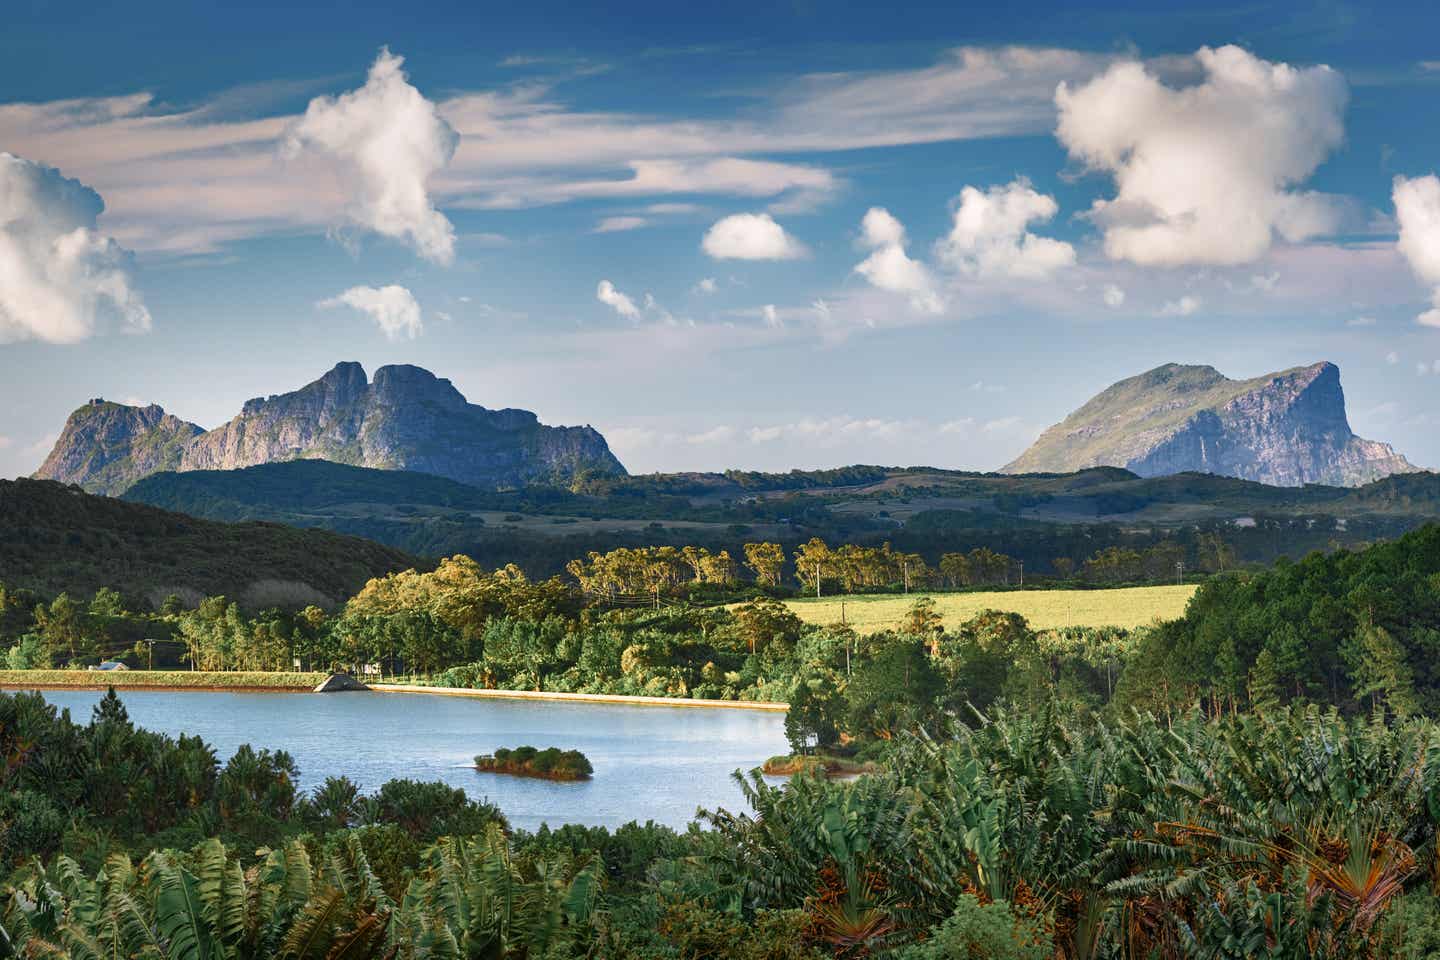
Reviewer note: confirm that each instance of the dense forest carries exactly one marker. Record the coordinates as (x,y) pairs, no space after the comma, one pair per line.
(55,538)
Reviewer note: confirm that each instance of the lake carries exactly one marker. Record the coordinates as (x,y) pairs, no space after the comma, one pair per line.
(651,763)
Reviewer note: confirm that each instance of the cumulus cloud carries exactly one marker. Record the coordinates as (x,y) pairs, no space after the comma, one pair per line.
(990,238)
(1113,295)
(707,285)
(620,224)
(750,236)
(392,307)
(1392,358)
(771,316)
(1417,211)
(1206,173)
(59,276)
(606,293)
(889,267)
(1184,307)
(385,141)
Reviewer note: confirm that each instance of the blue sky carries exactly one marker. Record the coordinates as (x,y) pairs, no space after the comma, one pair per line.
(766,237)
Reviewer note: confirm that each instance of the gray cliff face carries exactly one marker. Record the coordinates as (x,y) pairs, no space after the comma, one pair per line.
(405,419)
(104,446)
(1284,429)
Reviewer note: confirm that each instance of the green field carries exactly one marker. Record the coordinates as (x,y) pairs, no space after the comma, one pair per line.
(1121,607)
(193,679)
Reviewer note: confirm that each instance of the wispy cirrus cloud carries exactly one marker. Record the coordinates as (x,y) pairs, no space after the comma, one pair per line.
(185,181)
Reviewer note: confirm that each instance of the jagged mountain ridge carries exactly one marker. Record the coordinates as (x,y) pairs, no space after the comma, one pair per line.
(1285,429)
(406,418)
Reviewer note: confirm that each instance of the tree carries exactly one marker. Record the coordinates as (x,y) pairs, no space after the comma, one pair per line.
(1382,672)
(813,560)
(62,625)
(766,561)
(956,569)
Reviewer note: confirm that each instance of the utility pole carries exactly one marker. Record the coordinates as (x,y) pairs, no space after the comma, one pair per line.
(1022,573)
(1179,572)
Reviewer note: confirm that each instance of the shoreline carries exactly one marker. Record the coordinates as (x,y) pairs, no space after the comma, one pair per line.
(200,681)
(185,681)
(616,698)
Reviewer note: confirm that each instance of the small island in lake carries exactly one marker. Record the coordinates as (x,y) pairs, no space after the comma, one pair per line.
(548,764)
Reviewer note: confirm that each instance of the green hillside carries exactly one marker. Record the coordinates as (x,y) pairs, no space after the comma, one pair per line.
(55,537)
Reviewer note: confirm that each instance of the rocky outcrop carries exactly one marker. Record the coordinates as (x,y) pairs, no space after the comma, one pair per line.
(106,446)
(1284,429)
(405,419)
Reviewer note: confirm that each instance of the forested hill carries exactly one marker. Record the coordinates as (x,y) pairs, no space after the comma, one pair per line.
(1360,629)
(57,538)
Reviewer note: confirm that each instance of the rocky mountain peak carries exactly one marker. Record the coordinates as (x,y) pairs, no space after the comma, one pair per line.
(403,383)
(1287,428)
(405,419)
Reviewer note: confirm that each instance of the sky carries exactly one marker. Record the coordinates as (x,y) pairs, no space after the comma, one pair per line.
(758,236)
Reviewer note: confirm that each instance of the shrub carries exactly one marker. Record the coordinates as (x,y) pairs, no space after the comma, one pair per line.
(977,931)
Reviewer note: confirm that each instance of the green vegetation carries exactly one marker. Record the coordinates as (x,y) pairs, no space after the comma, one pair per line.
(1040,520)
(1042,609)
(1189,789)
(552,763)
(55,538)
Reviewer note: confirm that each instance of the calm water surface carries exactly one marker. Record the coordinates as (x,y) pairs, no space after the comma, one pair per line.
(651,763)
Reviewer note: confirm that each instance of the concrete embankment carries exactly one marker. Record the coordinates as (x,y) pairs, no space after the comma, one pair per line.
(579,697)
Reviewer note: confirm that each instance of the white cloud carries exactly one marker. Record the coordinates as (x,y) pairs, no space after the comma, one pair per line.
(1184,307)
(706,285)
(392,307)
(1417,211)
(195,180)
(1392,358)
(989,237)
(1002,425)
(721,434)
(606,293)
(59,276)
(1431,317)
(1206,173)
(442,315)
(889,267)
(828,430)
(1113,295)
(5,443)
(750,236)
(385,141)
(1265,281)
(619,224)
(771,316)
(1361,322)
(961,425)
(735,176)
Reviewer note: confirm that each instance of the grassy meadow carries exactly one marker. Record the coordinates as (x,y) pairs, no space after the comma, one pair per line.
(1044,609)
(192,679)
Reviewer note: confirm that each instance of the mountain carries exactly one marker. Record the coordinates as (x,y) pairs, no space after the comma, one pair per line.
(405,419)
(106,446)
(55,537)
(1284,429)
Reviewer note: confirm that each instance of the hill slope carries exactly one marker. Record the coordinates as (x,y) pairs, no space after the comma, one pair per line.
(1284,429)
(54,538)
(405,419)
